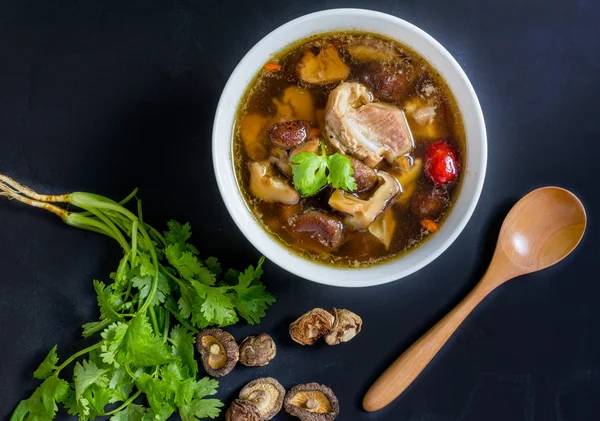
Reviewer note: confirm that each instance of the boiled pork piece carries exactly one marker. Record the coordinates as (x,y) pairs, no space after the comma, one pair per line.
(368,130)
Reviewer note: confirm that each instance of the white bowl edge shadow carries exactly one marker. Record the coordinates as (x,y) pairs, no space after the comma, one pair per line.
(391,27)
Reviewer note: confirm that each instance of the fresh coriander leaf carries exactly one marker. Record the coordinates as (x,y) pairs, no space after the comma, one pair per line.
(200,409)
(86,374)
(113,337)
(108,301)
(140,347)
(92,327)
(47,366)
(42,405)
(132,412)
(185,262)
(179,234)
(183,347)
(144,284)
(160,395)
(212,263)
(145,265)
(250,297)
(121,383)
(309,172)
(340,172)
(214,306)
(91,404)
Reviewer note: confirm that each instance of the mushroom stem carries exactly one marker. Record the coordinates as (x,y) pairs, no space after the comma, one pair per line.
(312,403)
(215,349)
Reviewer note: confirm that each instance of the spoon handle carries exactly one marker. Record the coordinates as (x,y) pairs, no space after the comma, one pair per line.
(411,363)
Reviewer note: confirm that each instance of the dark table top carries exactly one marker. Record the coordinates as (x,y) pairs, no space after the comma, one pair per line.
(106,96)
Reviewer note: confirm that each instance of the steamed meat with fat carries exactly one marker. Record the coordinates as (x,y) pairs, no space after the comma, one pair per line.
(368,130)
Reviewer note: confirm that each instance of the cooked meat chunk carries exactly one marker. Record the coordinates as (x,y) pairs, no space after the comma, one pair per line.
(388,83)
(367,130)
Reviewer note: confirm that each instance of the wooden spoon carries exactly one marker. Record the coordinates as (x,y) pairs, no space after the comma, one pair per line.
(539,231)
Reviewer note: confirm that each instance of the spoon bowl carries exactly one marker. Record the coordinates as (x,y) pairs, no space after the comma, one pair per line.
(543,228)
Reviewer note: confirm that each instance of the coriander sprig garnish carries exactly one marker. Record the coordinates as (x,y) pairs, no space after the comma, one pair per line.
(160,277)
(312,171)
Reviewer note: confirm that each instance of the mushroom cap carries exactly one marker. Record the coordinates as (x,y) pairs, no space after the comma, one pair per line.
(312,402)
(267,185)
(219,351)
(242,411)
(346,326)
(257,350)
(311,326)
(266,394)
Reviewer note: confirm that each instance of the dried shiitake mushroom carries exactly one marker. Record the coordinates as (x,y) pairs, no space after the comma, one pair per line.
(257,350)
(311,326)
(346,325)
(218,350)
(312,402)
(266,394)
(242,411)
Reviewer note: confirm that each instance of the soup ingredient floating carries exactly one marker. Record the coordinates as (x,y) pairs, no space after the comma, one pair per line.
(351,153)
(336,326)
(160,279)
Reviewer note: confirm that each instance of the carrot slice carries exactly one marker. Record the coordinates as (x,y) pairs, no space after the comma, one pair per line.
(429,225)
(273,67)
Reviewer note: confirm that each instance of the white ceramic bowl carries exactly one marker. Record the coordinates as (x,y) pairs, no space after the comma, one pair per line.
(405,33)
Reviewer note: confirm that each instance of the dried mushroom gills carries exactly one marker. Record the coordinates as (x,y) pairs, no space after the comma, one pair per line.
(257,350)
(266,394)
(311,326)
(218,350)
(242,411)
(325,67)
(384,226)
(312,402)
(346,326)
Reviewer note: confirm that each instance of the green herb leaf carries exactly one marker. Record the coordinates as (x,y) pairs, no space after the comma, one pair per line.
(47,366)
(340,172)
(311,172)
(42,405)
(183,347)
(132,412)
(86,374)
(140,347)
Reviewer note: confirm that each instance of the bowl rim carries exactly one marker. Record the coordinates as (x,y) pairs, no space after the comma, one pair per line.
(272,249)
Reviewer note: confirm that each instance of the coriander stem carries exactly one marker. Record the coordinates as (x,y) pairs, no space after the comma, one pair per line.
(99,327)
(116,231)
(77,355)
(139,209)
(154,320)
(154,287)
(84,200)
(125,404)
(159,237)
(134,233)
(166,325)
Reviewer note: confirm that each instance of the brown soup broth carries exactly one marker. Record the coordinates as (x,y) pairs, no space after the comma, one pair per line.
(361,247)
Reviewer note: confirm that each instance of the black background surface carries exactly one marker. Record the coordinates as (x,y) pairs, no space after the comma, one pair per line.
(106,96)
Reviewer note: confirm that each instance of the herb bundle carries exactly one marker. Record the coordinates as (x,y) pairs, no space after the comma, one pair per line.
(159,296)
